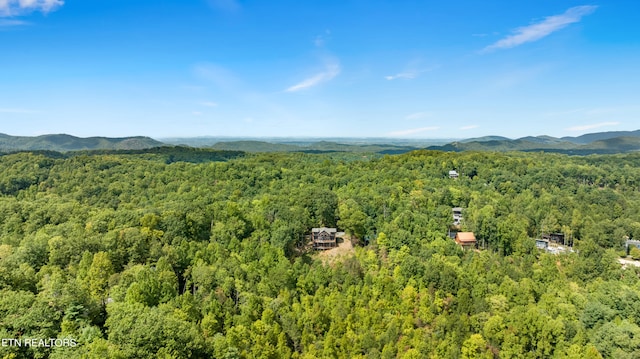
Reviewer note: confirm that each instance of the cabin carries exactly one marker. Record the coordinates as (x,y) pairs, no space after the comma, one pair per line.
(631,243)
(457,216)
(466,240)
(556,238)
(542,243)
(453,174)
(324,238)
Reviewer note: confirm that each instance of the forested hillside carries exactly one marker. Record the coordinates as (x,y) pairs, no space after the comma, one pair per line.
(63,142)
(133,255)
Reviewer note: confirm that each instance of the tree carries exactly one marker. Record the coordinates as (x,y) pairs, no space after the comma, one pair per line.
(475,347)
(98,276)
(352,218)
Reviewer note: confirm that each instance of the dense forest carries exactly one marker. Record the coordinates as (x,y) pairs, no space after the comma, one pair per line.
(148,255)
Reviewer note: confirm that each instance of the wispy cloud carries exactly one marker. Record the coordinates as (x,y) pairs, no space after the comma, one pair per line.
(592,126)
(23,7)
(514,77)
(403,75)
(418,115)
(224,5)
(220,76)
(410,72)
(543,28)
(413,131)
(238,91)
(209,104)
(470,127)
(12,22)
(196,113)
(322,39)
(331,70)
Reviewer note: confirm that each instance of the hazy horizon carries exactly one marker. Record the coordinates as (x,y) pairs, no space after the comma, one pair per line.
(228,68)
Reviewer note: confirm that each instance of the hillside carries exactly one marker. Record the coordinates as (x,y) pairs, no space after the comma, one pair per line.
(577,145)
(599,136)
(315,147)
(617,144)
(485,139)
(134,256)
(594,143)
(254,146)
(64,143)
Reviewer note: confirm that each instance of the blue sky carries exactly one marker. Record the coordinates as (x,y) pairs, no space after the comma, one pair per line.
(349,68)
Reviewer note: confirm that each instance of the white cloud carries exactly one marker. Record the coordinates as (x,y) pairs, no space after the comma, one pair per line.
(8,23)
(592,126)
(543,28)
(470,127)
(403,75)
(332,69)
(411,72)
(413,131)
(418,115)
(196,113)
(24,7)
(320,40)
(209,104)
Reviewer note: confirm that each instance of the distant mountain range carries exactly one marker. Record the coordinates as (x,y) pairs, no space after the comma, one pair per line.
(315,147)
(601,142)
(592,143)
(600,136)
(64,143)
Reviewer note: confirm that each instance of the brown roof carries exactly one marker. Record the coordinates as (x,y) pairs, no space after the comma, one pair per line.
(465,237)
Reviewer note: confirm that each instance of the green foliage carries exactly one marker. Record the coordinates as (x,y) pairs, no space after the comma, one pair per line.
(98,276)
(140,254)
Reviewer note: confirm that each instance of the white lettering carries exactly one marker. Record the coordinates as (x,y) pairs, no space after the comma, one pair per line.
(37,342)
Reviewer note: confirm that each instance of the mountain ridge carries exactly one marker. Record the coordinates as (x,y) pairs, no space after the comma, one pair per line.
(599,142)
(64,143)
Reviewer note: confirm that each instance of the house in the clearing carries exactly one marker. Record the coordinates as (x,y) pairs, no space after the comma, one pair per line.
(542,243)
(457,215)
(557,238)
(466,240)
(631,243)
(324,238)
(453,174)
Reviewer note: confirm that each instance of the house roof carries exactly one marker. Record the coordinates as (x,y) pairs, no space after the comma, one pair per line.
(324,229)
(465,237)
